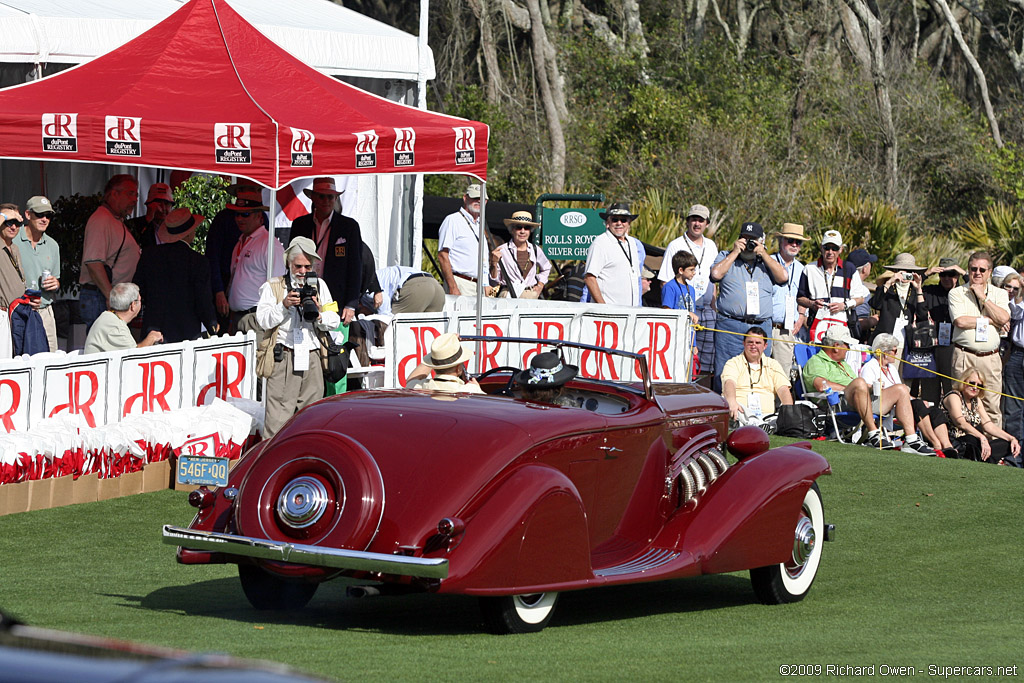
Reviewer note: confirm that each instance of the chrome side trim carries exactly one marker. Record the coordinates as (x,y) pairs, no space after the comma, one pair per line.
(247,546)
(652,559)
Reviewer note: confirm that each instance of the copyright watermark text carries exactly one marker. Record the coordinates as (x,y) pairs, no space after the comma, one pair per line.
(941,671)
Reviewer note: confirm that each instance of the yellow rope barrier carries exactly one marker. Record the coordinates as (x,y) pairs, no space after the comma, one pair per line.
(877,354)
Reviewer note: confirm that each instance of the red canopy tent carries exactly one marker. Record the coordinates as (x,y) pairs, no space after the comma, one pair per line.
(203,90)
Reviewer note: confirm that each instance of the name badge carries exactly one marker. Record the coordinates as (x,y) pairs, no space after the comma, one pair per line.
(753,299)
(790,321)
(945,333)
(300,354)
(981,330)
(753,405)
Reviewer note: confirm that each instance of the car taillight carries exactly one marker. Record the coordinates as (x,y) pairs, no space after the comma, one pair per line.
(202,497)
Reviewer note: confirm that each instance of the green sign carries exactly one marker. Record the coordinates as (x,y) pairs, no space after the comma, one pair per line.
(569,232)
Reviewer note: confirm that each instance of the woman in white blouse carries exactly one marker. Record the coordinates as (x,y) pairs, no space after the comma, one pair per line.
(526,268)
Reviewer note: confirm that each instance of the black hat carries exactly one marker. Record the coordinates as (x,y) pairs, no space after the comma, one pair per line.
(751,231)
(546,371)
(619,209)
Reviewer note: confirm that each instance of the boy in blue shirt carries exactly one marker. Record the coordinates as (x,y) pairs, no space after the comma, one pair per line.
(678,293)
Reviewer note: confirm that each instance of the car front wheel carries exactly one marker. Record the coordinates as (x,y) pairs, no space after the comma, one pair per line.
(268,592)
(518,613)
(790,581)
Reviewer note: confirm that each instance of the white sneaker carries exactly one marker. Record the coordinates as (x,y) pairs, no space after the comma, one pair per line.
(876,440)
(919,446)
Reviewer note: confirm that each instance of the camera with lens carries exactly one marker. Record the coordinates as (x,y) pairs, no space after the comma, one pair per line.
(907,276)
(751,244)
(306,292)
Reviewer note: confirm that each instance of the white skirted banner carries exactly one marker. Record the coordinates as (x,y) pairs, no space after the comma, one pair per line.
(664,336)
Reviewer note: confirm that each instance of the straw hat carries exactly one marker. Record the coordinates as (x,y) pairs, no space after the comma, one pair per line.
(447,351)
(519,219)
(248,200)
(323,185)
(181,221)
(792,231)
(906,261)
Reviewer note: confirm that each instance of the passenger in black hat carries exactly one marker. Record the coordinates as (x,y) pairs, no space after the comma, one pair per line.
(545,379)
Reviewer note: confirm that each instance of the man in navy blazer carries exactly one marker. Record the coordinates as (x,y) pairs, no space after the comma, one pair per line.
(338,243)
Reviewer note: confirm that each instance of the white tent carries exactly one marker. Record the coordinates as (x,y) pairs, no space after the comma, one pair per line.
(43,36)
(328,37)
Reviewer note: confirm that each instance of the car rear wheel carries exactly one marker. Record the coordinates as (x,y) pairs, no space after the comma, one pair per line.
(518,613)
(268,592)
(790,581)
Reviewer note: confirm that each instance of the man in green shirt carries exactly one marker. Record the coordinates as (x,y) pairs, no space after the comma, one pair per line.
(40,254)
(828,369)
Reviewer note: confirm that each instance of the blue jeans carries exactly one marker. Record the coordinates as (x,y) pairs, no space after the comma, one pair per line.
(1013,384)
(90,304)
(730,345)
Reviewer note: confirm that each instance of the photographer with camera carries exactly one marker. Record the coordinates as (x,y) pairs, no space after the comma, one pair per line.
(899,299)
(746,278)
(293,308)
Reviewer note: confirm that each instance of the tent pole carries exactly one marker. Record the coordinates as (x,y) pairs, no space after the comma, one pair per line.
(480,270)
(270,273)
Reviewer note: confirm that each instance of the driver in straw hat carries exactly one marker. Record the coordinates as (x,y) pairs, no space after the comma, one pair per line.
(447,359)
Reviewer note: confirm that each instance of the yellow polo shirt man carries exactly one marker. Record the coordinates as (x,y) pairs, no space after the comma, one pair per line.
(751,380)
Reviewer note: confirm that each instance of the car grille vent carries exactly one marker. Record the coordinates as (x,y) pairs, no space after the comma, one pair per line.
(696,472)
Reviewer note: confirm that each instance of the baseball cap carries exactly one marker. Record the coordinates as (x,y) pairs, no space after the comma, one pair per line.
(832,237)
(473,191)
(751,231)
(837,335)
(159,192)
(39,204)
(699,210)
(859,257)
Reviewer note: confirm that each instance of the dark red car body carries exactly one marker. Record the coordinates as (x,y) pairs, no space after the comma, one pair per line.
(497,496)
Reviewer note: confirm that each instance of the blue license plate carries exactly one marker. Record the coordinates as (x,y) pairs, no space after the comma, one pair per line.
(202,470)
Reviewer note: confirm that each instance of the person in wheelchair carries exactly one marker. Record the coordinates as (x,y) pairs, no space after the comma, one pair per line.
(751,382)
(828,370)
(544,381)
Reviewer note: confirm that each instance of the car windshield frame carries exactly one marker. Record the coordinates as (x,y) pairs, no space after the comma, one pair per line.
(648,386)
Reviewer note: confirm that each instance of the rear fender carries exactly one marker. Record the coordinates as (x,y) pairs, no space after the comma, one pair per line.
(217,517)
(532,526)
(747,518)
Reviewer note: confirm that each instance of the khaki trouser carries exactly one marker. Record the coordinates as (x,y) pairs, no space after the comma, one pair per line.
(991,370)
(782,349)
(419,295)
(50,325)
(466,287)
(288,391)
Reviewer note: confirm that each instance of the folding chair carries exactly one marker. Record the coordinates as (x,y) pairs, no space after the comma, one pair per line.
(845,424)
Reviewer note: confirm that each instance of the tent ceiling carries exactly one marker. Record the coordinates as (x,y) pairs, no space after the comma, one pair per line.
(328,37)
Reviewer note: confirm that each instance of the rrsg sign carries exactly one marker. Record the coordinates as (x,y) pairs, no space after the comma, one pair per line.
(569,232)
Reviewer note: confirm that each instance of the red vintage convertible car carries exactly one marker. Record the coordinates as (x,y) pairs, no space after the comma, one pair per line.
(513,501)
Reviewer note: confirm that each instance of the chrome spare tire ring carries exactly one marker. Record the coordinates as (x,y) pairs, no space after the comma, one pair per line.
(302,502)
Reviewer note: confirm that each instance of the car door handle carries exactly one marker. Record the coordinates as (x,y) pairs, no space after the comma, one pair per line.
(608,452)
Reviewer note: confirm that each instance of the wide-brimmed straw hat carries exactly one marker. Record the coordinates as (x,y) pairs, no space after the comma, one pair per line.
(447,351)
(181,221)
(546,371)
(323,185)
(519,219)
(618,209)
(792,231)
(248,200)
(906,261)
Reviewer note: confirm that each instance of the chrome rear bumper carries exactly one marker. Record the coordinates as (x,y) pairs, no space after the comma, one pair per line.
(297,553)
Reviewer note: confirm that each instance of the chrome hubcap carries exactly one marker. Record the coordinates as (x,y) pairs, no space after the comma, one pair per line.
(803,543)
(302,502)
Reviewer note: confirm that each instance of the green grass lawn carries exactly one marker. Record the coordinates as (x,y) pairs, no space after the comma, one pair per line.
(926,570)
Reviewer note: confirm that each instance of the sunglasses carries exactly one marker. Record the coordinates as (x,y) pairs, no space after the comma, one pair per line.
(829,247)
(528,228)
(790,240)
(618,219)
(48,215)
(976,385)
(977,269)
(320,195)
(14,221)
(244,214)
(1012,290)
(949,273)
(297,266)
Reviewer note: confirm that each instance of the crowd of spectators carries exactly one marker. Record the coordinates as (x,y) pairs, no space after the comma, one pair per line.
(961,339)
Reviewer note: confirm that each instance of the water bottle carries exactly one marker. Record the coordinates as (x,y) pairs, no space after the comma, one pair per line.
(831,396)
